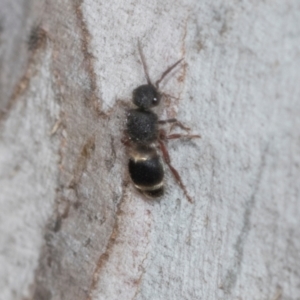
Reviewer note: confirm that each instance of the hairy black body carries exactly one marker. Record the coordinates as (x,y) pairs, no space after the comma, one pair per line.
(142,134)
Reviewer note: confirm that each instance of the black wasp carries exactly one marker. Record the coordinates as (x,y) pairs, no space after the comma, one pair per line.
(143,137)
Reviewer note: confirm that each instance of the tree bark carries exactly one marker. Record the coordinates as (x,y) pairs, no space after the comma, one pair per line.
(72,226)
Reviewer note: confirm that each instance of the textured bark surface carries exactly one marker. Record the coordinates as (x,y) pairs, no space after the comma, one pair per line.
(71,224)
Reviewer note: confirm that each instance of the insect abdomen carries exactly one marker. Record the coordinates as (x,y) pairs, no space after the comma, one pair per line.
(147,172)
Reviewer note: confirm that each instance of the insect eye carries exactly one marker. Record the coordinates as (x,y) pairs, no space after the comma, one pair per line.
(155,100)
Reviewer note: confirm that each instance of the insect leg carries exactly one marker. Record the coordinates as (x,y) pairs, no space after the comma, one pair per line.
(175,123)
(126,140)
(180,136)
(175,173)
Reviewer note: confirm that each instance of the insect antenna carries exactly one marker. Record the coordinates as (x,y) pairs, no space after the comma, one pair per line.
(144,63)
(166,72)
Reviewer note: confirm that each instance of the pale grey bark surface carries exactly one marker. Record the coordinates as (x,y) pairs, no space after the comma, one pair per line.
(71,224)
